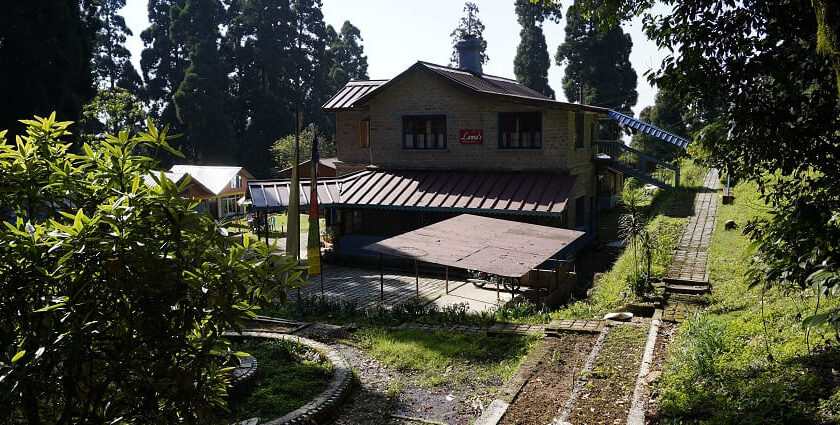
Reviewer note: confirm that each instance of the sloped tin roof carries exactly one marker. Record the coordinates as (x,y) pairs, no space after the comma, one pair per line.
(357,93)
(350,93)
(533,193)
(214,178)
(501,247)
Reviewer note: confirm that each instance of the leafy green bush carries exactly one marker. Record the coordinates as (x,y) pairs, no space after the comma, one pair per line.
(115,293)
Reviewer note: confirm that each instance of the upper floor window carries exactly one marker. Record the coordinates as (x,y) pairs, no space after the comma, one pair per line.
(579,130)
(520,130)
(424,132)
(236,182)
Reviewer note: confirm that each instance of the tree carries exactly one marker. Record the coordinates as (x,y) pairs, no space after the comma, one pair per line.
(597,64)
(469,27)
(163,63)
(668,114)
(309,62)
(757,64)
(46,50)
(532,61)
(109,112)
(201,96)
(112,60)
(347,55)
(282,150)
(115,305)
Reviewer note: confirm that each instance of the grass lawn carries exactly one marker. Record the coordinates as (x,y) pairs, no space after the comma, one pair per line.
(719,370)
(452,359)
(288,376)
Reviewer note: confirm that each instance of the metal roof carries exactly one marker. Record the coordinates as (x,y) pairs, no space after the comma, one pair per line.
(649,129)
(151,179)
(214,178)
(352,91)
(274,194)
(501,247)
(356,93)
(496,191)
(489,191)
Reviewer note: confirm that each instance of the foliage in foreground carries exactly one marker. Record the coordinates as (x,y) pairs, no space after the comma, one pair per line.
(453,358)
(726,367)
(115,293)
(288,376)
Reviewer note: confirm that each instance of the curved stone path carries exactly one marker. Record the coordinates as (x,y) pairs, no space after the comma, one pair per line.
(322,405)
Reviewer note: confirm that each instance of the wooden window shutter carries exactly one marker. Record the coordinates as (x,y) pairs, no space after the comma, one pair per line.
(364,133)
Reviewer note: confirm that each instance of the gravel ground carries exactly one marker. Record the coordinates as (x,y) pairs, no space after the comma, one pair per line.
(383,392)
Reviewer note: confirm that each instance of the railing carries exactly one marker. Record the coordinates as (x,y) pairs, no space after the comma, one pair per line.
(637,164)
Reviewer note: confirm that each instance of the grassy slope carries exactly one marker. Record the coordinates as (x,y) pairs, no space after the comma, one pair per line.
(719,371)
(438,358)
(283,382)
(668,211)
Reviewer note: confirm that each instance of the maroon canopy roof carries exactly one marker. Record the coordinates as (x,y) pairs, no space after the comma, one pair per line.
(501,247)
(441,190)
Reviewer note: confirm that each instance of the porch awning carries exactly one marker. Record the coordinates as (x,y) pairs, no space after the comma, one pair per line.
(501,247)
(532,193)
(649,129)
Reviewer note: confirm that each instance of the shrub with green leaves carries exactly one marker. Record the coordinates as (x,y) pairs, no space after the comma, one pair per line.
(115,293)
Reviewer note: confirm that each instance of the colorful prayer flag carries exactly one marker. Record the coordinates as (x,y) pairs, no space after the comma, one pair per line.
(313,246)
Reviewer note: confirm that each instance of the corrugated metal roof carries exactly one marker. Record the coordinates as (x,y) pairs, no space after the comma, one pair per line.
(356,93)
(501,247)
(214,178)
(352,91)
(151,179)
(491,191)
(274,194)
(486,83)
(649,129)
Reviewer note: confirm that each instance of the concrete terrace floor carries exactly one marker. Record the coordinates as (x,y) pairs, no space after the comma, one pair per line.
(363,286)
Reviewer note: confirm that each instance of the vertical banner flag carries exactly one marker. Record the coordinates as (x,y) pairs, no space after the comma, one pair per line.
(313,246)
(293,213)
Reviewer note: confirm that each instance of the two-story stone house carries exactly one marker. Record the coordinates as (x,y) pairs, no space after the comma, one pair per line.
(435,141)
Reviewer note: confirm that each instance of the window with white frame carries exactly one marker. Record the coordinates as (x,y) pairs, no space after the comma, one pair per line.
(520,130)
(236,182)
(229,206)
(424,132)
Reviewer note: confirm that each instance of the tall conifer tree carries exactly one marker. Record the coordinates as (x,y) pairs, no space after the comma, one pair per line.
(112,60)
(532,61)
(201,96)
(597,62)
(46,51)
(469,27)
(163,63)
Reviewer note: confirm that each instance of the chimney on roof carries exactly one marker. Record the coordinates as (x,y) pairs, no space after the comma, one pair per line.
(469,58)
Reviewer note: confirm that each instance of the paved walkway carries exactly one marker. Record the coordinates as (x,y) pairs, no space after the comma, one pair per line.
(691,255)
(363,286)
(688,277)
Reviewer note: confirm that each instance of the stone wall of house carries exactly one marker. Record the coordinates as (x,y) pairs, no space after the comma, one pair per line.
(423,94)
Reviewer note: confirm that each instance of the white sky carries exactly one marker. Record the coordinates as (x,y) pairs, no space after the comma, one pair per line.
(397,33)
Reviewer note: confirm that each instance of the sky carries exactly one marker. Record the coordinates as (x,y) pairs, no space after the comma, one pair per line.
(398,33)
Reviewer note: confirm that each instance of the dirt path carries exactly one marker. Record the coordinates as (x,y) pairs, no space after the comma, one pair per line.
(549,387)
(608,392)
(385,392)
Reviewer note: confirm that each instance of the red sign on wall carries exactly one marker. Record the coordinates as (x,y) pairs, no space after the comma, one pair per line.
(472,137)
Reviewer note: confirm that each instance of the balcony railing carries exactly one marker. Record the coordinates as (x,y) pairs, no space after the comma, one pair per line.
(637,164)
